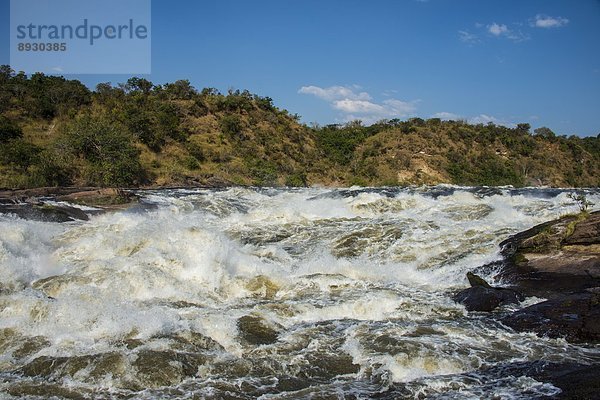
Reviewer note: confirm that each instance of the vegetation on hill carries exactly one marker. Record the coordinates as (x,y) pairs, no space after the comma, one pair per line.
(56,132)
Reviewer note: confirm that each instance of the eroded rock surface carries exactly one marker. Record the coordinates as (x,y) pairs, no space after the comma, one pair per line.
(559,261)
(481,296)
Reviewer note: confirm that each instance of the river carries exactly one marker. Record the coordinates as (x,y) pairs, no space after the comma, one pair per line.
(248,293)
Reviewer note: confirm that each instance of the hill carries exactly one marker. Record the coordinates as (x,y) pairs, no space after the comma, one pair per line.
(56,132)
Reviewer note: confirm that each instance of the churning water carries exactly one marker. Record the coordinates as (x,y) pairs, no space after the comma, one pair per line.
(270,293)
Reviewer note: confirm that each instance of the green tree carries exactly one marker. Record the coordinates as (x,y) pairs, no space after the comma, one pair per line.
(544,132)
(138,85)
(108,149)
(19,154)
(8,130)
(231,124)
(181,89)
(523,128)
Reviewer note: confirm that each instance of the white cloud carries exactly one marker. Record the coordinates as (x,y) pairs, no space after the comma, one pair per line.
(482,119)
(334,93)
(545,21)
(517,36)
(357,106)
(386,109)
(447,116)
(516,31)
(468,37)
(57,69)
(389,92)
(485,119)
(499,30)
(360,105)
(398,108)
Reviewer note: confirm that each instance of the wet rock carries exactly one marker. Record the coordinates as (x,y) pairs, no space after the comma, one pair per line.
(291,383)
(31,346)
(34,193)
(262,286)
(483,299)
(555,257)
(328,366)
(56,367)
(45,212)
(131,344)
(255,330)
(560,261)
(481,296)
(585,232)
(138,371)
(7,338)
(45,391)
(109,364)
(192,342)
(86,368)
(105,198)
(576,317)
(53,286)
(165,368)
(476,280)
(19,346)
(32,204)
(575,381)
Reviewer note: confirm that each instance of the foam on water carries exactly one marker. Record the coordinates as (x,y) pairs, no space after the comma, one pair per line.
(349,291)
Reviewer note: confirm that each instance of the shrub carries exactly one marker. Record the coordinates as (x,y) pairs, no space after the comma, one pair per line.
(339,142)
(108,149)
(263,172)
(167,122)
(297,179)
(19,153)
(190,162)
(231,125)
(581,201)
(8,130)
(55,168)
(195,150)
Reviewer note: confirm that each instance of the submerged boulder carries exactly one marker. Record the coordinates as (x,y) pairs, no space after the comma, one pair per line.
(576,317)
(481,296)
(256,331)
(575,380)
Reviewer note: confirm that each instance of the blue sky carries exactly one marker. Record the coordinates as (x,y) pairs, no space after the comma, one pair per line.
(535,61)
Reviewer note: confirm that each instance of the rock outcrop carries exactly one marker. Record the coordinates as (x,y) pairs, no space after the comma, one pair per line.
(556,257)
(576,317)
(41,204)
(483,297)
(560,261)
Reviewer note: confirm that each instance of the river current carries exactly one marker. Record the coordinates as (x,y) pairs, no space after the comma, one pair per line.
(248,293)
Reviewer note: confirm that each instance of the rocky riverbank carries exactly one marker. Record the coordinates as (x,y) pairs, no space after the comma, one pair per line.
(63,204)
(560,262)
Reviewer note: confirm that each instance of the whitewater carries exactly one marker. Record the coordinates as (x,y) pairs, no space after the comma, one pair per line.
(246,293)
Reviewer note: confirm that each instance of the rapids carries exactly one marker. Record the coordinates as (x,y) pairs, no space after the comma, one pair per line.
(248,293)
